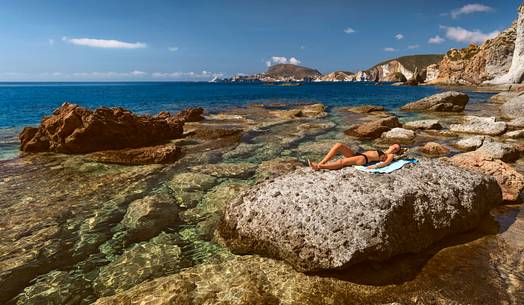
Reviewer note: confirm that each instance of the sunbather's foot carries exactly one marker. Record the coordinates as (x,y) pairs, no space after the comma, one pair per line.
(313,165)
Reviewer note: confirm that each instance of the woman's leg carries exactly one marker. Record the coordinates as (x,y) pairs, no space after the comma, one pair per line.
(357,160)
(344,149)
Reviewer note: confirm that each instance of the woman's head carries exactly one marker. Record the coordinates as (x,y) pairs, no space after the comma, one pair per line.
(394,149)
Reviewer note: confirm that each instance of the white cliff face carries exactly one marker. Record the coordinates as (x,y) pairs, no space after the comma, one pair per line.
(516,72)
(361,76)
(431,72)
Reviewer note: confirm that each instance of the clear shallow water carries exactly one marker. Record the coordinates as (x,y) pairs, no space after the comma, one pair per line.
(24,104)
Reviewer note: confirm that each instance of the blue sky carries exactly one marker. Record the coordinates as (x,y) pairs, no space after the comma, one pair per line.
(130,40)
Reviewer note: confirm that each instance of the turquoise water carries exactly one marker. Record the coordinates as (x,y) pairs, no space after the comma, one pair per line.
(24,104)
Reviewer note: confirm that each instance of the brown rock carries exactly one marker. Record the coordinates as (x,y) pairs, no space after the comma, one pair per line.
(510,181)
(435,149)
(190,115)
(306,111)
(373,129)
(159,154)
(73,129)
(365,109)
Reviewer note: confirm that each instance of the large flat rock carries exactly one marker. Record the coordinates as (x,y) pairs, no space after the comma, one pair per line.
(450,101)
(333,219)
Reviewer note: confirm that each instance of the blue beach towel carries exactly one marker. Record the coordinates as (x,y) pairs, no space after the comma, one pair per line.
(387,169)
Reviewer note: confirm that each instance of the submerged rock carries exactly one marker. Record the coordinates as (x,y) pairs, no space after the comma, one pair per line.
(307,111)
(450,101)
(480,125)
(330,220)
(190,187)
(373,129)
(366,109)
(73,129)
(423,124)
(135,156)
(144,261)
(511,182)
(227,170)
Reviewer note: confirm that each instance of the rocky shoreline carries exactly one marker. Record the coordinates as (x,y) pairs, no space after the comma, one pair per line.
(117,234)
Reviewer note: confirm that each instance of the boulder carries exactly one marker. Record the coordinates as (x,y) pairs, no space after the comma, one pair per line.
(318,220)
(423,124)
(73,129)
(471,143)
(365,109)
(503,97)
(516,123)
(435,149)
(514,108)
(373,129)
(159,154)
(515,134)
(398,134)
(502,151)
(480,125)
(306,111)
(190,115)
(450,101)
(510,181)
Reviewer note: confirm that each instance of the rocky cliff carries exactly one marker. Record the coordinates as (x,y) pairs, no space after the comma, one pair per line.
(487,63)
(338,76)
(402,68)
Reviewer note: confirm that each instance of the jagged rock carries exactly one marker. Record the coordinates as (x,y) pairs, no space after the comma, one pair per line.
(150,215)
(365,109)
(399,135)
(510,181)
(135,156)
(513,108)
(502,151)
(450,101)
(73,129)
(142,262)
(373,129)
(471,143)
(435,149)
(423,124)
(480,125)
(333,219)
(190,115)
(516,134)
(227,170)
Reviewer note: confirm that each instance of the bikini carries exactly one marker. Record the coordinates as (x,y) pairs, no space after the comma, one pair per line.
(379,152)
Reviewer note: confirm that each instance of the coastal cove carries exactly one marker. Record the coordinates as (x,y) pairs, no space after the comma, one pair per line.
(118,234)
(24,104)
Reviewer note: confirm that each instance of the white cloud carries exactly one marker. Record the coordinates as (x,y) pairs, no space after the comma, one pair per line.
(463,35)
(470,9)
(389,49)
(282,60)
(414,46)
(436,40)
(193,75)
(109,74)
(349,30)
(104,43)
(173,49)
(399,36)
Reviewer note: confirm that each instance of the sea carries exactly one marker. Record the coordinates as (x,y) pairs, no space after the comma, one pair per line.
(26,103)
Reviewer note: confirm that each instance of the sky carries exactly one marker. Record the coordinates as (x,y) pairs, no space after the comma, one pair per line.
(161,40)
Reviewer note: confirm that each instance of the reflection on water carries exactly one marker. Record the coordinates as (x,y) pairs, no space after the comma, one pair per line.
(74,231)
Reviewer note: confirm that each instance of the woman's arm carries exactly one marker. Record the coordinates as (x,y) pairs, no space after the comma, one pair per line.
(388,161)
